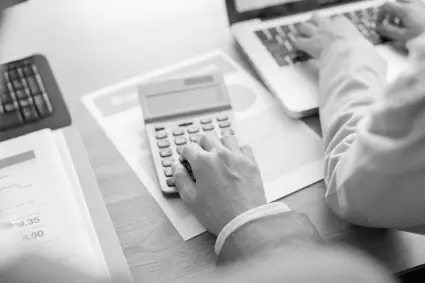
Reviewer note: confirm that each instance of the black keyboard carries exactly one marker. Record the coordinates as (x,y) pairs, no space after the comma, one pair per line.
(30,99)
(279,40)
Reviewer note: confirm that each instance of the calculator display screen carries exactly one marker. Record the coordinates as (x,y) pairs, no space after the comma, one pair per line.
(184,101)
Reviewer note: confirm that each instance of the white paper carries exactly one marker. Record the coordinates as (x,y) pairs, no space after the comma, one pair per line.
(36,195)
(297,159)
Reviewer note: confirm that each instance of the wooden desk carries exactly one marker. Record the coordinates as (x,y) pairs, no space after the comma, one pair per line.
(94,43)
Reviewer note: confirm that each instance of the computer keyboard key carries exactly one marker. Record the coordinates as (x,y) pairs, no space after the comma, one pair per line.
(10,120)
(273,32)
(193,129)
(26,102)
(29,114)
(161,135)
(13,74)
(208,127)
(163,143)
(168,172)
(9,107)
(206,120)
(167,162)
(180,141)
(261,35)
(21,94)
(170,182)
(33,85)
(178,132)
(28,70)
(17,84)
(166,153)
(43,105)
(224,124)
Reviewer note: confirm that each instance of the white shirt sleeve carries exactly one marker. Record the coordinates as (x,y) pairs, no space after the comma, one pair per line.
(374,137)
(248,216)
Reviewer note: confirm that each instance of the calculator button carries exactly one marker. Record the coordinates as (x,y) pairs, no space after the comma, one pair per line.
(193,129)
(163,143)
(227,132)
(180,140)
(28,71)
(157,129)
(17,84)
(13,74)
(178,132)
(166,152)
(170,182)
(206,120)
(222,118)
(180,149)
(29,114)
(225,124)
(208,127)
(168,172)
(161,135)
(167,162)
(194,138)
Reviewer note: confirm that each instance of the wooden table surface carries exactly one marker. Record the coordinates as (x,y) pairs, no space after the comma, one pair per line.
(95,43)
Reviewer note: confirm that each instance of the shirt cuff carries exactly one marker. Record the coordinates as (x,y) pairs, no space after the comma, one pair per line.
(250,215)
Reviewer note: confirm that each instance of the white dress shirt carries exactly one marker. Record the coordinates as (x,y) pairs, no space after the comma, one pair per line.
(374,137)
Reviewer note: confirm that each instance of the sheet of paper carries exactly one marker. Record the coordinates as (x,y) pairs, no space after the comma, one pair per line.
(37,196)
(292,161)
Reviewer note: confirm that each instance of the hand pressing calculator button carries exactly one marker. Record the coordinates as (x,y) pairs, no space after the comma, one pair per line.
(183,108)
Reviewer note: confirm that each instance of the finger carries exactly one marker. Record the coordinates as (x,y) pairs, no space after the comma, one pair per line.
(184,184)
(247,151)
(231,142)
(395,9)
(303,44)
(191,152)
(392,32)
(318,20)
(306,29)
(210,142)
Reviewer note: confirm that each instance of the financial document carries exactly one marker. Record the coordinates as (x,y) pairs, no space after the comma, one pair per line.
(42,208)
(289,154)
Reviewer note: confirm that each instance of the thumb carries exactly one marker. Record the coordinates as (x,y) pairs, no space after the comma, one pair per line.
(184,184)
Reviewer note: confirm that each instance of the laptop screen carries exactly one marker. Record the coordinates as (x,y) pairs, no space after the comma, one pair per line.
(242,10)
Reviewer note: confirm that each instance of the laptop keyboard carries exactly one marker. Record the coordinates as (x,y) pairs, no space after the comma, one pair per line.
(23,98)
(279,40)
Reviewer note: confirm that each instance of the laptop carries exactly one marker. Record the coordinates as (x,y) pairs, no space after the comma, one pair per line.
(264,30)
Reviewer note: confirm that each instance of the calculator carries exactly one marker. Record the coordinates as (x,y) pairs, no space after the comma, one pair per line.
(176,112)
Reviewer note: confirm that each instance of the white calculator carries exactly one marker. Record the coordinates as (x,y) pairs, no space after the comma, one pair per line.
(176,112)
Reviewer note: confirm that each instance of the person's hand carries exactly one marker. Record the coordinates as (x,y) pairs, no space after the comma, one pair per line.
(320,33)
(228,181)
(412,16)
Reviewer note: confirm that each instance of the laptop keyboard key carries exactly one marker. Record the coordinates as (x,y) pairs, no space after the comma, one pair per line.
(10,120)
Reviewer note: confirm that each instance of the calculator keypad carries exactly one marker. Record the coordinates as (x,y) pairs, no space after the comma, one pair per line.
(171,146)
